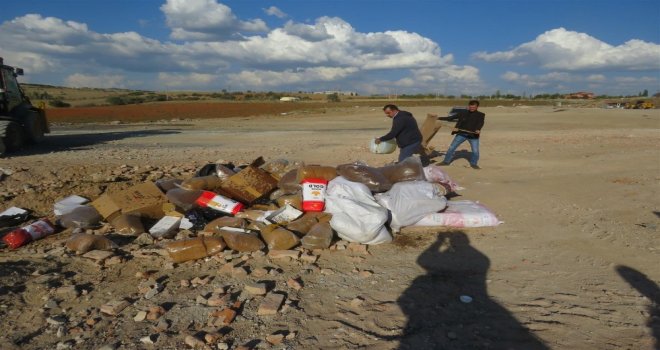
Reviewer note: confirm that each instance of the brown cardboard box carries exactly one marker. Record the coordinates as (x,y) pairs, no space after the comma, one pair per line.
(144,199)
(249,184)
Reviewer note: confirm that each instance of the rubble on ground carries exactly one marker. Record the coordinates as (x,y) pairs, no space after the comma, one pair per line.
(261,228)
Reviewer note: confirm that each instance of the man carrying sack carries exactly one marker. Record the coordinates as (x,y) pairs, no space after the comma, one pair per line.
(404,130)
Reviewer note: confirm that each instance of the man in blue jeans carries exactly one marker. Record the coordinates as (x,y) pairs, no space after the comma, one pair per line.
(468,127)
(405,130)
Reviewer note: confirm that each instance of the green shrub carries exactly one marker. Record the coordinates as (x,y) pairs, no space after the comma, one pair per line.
(333,98)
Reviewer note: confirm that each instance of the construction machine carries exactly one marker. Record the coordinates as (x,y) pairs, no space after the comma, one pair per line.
(21,122)
(641,104)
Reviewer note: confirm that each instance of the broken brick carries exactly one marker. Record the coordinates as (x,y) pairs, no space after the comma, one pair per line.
(284,254)
(113,308)
(256,288)
(270,304)
(294,283)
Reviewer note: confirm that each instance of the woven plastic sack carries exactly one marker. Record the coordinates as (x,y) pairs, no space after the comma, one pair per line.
(435,174)
(461,214)
(356,217)
(410,201)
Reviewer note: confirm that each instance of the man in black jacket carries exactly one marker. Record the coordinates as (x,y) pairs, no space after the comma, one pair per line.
(468,127)
(405,130)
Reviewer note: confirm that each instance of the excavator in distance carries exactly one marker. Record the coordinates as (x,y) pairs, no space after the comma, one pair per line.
(21,122)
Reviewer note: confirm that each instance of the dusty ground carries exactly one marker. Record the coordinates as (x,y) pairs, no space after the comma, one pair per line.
(574,266)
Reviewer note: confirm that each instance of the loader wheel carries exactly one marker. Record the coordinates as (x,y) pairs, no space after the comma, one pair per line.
(13,139)
(34,127)
(2,148)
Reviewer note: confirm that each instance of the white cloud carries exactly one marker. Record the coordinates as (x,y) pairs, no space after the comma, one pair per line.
(596,78)
(307,32)
(274,11)
(206,20)
(448,79)
(636,80)
(95,81)
(561,49)
(263,78)
(549,79)
(186,79)
(329,50)
(330,41)
(48,43)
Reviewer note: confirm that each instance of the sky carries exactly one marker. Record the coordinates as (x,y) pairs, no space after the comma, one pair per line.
(472,47)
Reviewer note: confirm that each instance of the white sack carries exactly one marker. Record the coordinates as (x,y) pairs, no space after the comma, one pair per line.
(410,201)
(461,214)
(355,214)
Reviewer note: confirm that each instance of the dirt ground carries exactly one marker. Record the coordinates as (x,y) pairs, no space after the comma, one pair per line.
(574,266)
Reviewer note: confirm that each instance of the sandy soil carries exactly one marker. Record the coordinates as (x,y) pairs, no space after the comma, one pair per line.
(574,266)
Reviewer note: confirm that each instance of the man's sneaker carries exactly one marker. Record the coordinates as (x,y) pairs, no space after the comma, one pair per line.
(443,163)
(474,166)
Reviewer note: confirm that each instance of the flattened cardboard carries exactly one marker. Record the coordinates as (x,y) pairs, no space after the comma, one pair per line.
(144,199)
(429,128)
(249,184)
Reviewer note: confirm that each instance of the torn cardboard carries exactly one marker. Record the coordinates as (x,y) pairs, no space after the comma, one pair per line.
(144,199)
(249,184)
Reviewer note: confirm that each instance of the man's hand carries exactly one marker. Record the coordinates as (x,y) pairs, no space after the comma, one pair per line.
(477,132)
(377,140)
(455,130)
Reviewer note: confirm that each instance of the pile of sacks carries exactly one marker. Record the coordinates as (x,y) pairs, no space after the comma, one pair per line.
(277,204)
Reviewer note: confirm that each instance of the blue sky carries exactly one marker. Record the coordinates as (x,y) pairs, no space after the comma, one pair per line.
(448,47)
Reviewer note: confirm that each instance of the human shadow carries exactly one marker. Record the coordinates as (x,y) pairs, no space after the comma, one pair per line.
(449,307)
(649,289)
(439,156)
(464,154)
(68,142)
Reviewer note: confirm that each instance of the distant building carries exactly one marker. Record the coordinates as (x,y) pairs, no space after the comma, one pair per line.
(581,95)
(289,99)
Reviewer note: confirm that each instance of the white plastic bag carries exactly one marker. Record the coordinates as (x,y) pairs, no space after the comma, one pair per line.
(410,201)
(435,174)
(355,214)
(461,214)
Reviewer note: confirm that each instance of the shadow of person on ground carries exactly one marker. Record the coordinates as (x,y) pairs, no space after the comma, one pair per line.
(649,289)
(438,157)
(67,142)
(438,319)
